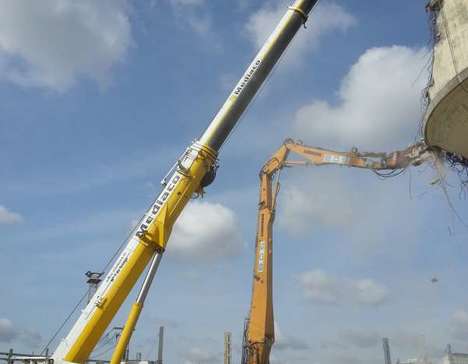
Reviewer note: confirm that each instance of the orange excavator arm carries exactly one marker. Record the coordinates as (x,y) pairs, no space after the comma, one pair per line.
(259,333)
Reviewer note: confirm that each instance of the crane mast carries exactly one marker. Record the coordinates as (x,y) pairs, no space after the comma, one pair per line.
(259,335)
(194,170)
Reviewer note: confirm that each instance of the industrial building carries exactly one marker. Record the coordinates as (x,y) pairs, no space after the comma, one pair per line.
(446,118)
(454,358)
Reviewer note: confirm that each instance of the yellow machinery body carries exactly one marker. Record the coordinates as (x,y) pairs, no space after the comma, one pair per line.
(259,335)
(190,174)
(151,236)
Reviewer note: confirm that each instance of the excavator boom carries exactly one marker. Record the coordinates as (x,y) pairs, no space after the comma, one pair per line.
(259,334)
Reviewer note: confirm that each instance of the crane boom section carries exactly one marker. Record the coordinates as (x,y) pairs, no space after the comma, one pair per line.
(150,236)
(259,69)
(194,170)
(260,331)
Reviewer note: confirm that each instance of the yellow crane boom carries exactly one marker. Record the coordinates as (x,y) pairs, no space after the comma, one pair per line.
(191,173)
(259,334)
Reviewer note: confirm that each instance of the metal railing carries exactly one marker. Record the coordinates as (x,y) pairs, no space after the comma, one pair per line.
(12,357)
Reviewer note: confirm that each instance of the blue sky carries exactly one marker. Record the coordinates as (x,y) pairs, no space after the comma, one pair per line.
(98,99)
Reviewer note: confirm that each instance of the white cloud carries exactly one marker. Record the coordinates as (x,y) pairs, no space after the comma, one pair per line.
(200,356)
(187,2)
(8,217)
(379,103)
(459,325)
(323,202)
(9,333)
(352,203)
(288,342)
(193,13)
(200,23)
(369,292)
(320,287)
(52,43)
(327,17)
(206,231)
(361,339)
(30,338)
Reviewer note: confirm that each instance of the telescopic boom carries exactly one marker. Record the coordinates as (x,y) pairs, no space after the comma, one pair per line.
(259,335)
(259,69)
(190,174)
